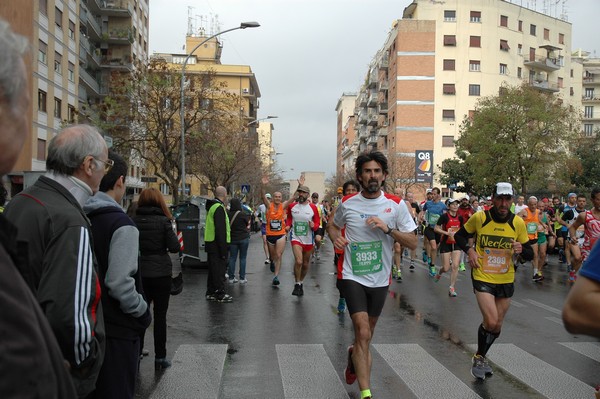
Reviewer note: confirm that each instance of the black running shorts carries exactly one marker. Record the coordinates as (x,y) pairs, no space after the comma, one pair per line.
(498,290)
(430,234)
(360,298)
(273,239)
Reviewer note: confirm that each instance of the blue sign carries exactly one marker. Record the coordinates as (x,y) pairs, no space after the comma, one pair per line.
(245,188)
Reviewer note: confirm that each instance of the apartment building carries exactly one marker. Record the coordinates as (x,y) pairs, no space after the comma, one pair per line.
(266,152)
(75,47)
(346,144)
(441,57)
(590,93)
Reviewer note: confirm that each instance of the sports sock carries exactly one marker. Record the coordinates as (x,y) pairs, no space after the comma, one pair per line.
(365,393)
(485,339)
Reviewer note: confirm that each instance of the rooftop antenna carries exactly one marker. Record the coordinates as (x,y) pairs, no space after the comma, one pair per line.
(190,30)
(564,14)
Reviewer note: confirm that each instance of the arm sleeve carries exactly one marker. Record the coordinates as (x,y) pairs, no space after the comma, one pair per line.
(122,266)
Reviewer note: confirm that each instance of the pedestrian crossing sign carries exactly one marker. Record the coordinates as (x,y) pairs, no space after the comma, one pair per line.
(245,188)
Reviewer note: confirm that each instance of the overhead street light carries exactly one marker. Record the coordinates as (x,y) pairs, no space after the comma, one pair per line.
(243,25)
(261,119)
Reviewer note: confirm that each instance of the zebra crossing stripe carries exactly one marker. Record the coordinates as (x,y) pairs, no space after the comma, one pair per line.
(589,349)
(195,373)
(307,372)
(416,367)
(544,306)
(541,376)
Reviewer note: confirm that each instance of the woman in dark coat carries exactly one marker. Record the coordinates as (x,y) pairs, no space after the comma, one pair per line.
(240,239)
(157,238)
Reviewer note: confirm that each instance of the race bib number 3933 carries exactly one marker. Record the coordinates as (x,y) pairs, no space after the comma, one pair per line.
(366,257)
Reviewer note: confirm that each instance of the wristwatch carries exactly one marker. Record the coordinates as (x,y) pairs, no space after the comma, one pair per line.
(389,230)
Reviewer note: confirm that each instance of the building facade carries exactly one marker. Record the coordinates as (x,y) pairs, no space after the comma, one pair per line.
(76,45)
(439,59)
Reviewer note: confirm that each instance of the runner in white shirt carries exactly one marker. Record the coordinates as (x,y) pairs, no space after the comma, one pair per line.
(373,221)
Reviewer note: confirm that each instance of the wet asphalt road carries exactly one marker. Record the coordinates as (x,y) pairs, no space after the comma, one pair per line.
(422,343)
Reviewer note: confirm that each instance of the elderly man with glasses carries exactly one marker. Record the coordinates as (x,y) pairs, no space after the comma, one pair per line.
(54,233)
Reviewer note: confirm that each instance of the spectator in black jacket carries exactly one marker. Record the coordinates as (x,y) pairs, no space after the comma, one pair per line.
(157,237)
(31,362)
(239,221)
(126,313)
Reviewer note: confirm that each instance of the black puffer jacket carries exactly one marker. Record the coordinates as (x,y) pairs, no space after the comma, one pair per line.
(156,239)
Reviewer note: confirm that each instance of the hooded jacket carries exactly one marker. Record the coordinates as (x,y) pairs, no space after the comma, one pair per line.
(156,239)
(116,244)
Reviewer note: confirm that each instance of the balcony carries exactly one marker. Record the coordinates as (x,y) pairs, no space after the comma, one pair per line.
(89,82)
(544,85)
(591,116)
(362,131)
(112,8)
(544,63)
(373,78)
(593,79)
(383,108)
(372,139)
(362,117)
(372,101)
(385,62)
(384,85)
(91,22)
(118,36)
(123,63)
(372,119)
(362,99)
(383,131)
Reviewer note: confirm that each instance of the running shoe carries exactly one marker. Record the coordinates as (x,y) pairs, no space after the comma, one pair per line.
(538,277)
(432,271)
(452,292)
(394,271)
(275,281)
(301,290)
(478,370)
(461,267)
(297,289)
(412,266)
(233,280)
(267,261)
(224,298)
(572,276)
(350,374)
(341,305)
(399,276)
(436,277)
(272,267)
(243,281)
(211,297)
(425,257)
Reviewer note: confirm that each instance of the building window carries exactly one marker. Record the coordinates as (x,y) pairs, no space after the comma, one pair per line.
(58,17)
(474,66)
(560,83)
(504,45)
(449,40)
(571,91)
(531,53)
(449,88)
(520,26)
(504,21)
(546,34)
(448,114)
(57,63)
(71,113)
(475,16)
(42,52)
(520,49)
(164,189)
(72,29)
(561,38)
(447,141)
(519,72)
(474,90)
(588,129)
(450,15)
(449,65)
(588,111)
(44,7)
(475,41)
(71,74)
(41,150)
(57,108)
(503,69)
(532,29)
(589,93)
(42,100)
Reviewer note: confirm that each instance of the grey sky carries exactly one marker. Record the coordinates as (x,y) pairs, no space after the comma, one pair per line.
(306,54)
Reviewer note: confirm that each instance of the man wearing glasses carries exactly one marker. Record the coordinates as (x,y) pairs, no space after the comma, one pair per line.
(54,233)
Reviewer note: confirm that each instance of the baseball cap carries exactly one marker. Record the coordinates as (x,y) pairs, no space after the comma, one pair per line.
(303,189)
(465,197)
(268,195)
(429,190)
(451,200)
(315,195)
(571,195)
(504,189)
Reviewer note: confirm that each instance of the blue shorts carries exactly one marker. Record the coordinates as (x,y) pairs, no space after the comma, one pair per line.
(263,229)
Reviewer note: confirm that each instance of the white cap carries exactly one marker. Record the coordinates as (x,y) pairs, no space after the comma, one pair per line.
(429,190)
(504,189)
(268,195)
(465,197)
(451,200)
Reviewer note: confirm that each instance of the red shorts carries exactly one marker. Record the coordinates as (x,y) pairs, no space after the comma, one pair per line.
(305,247)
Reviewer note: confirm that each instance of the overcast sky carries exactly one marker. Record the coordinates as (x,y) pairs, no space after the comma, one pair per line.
(306,54)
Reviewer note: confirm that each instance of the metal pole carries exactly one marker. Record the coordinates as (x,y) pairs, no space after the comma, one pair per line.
(244,25)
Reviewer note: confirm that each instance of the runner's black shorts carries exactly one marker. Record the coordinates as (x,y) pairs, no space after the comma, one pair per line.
(430,234)
(273,239)
(445,247)
(360,298)
(506,290)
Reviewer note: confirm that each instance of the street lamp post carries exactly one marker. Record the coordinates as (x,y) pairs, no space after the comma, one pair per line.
(261,119)
(243,25)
